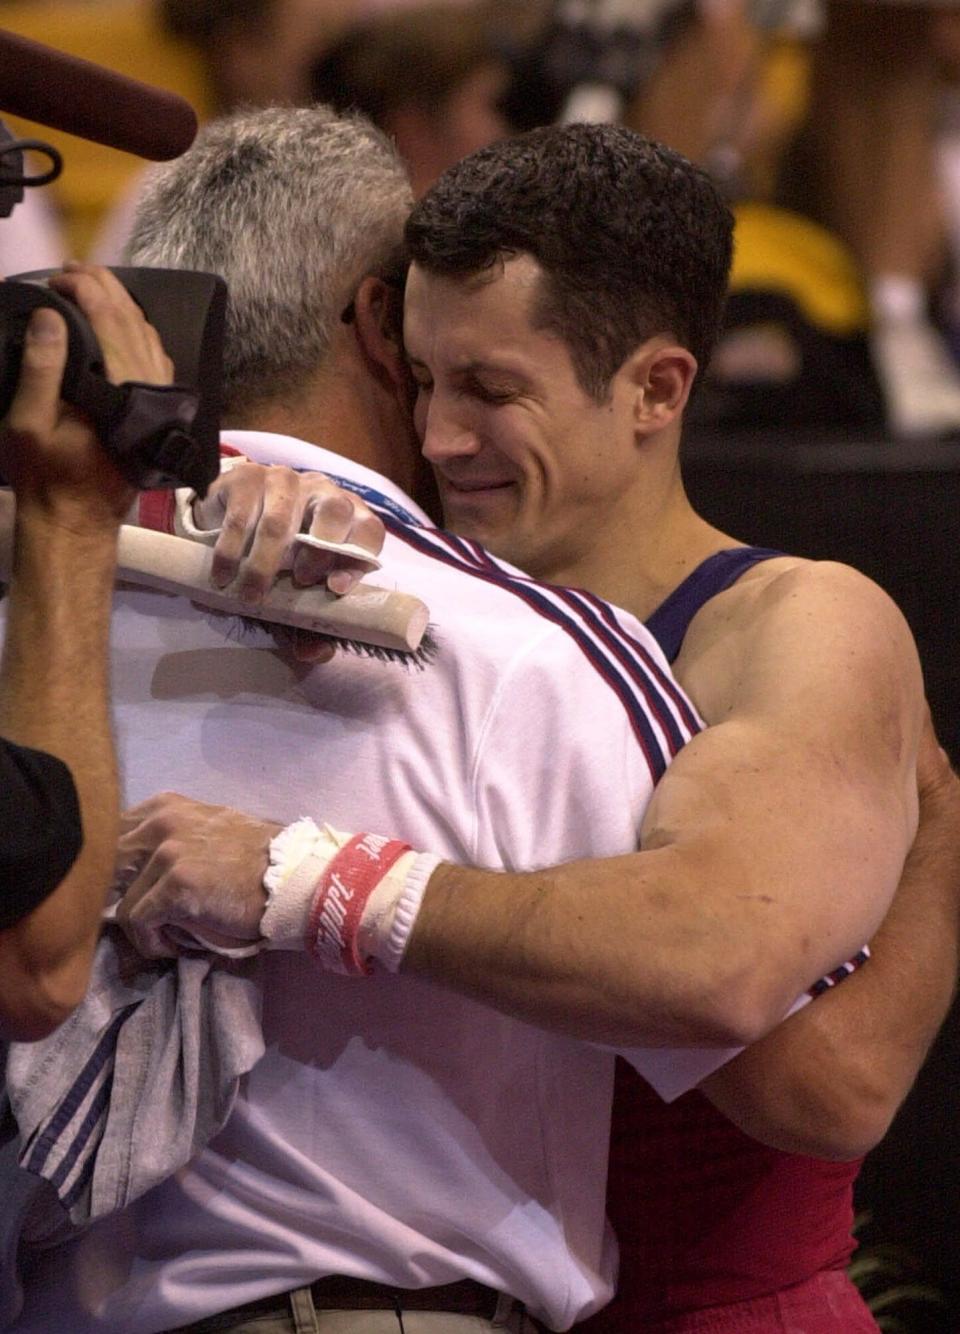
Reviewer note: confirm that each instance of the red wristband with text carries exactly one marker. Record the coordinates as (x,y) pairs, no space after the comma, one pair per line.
(341,896)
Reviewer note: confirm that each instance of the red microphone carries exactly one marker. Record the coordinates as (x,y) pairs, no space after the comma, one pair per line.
(74,95)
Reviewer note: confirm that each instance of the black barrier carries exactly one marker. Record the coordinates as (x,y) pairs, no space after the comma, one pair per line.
(892,511)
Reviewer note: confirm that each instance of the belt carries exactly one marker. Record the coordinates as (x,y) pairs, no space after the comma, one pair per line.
(338,1293)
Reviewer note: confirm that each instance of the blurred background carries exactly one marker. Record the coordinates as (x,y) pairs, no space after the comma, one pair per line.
(829,423)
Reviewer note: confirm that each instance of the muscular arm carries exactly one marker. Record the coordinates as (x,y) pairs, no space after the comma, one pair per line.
(53,678)
(771,849)
(829,1080)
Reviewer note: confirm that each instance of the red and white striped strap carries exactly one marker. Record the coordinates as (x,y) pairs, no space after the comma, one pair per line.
(347,899)
(341,896)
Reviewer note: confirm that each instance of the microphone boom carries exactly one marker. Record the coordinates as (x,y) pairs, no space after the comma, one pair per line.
(76,96)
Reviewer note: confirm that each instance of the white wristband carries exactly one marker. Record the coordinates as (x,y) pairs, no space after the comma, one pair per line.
(392,909)
(299,855)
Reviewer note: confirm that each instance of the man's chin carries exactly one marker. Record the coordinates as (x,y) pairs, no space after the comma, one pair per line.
(486,516)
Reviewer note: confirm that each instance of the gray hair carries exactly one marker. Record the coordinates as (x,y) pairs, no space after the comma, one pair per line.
(292,206)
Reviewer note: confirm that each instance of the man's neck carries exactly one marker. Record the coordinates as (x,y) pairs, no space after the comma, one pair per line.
(639,564)
(330,414)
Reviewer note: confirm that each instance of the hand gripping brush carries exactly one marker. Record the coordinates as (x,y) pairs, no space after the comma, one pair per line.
(368,619)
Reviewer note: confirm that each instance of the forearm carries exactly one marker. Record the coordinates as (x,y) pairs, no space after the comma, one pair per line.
(53,697)
(830,1080)
(627,951)
(754,879)
(597,950)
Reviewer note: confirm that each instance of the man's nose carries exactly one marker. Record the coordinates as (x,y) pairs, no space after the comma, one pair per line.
(446,435)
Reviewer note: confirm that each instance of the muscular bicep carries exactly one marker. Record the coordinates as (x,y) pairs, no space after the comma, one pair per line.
(798,801)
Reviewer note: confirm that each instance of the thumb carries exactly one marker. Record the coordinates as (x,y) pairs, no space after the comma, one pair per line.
(35,406)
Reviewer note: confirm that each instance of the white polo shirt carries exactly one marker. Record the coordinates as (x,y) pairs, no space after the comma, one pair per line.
(393,1131)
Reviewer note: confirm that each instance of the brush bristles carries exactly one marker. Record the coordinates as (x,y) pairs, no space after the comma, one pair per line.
(418,658)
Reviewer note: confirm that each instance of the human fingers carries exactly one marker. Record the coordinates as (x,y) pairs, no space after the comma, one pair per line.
(233,504)
(337,516)
(35,407)
(142,832)
(48,450)
(278,521)
(156,804)
(201,886)
(144,911)
(162,816)
(131,347)
(172,876)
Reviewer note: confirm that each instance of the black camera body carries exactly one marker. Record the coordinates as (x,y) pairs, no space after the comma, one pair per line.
(158,436)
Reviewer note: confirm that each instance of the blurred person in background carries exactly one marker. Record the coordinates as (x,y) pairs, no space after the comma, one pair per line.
(865,167)
(793,347)
(875,86)
(256,52)
(430,76)
(251,53)
(863,179)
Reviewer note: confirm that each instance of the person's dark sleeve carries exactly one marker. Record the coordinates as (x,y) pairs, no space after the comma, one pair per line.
(40,829)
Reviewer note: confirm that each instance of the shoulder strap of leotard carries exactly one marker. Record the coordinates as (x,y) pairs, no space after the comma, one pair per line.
(669,622)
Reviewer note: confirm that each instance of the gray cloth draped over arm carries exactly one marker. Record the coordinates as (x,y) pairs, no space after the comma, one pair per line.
(123,1094)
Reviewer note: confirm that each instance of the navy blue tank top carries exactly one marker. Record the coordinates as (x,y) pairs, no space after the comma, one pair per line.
(669,622)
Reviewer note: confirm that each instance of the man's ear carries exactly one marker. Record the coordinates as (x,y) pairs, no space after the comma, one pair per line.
(378,316)
(661,376)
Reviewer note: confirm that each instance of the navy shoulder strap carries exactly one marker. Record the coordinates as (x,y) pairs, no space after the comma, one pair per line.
(669,622)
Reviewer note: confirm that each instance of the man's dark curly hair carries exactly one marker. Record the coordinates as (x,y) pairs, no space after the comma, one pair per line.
(633,240)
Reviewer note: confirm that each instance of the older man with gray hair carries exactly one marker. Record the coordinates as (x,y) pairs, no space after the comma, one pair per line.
(396,1154)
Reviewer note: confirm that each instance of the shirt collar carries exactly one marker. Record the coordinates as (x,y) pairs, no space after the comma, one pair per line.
(271,447)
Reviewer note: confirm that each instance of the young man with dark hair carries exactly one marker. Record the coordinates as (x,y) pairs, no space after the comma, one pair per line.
(566,289)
